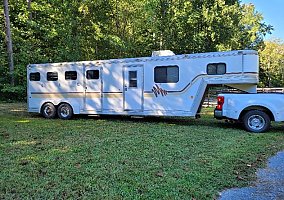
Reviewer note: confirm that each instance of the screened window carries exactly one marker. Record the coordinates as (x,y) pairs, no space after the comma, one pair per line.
(35,76)
(52,76)
(132,78)
(166,74)
(93,74)
(70,75)
(216,68)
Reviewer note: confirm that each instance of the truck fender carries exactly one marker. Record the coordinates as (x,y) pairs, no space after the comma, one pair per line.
(257,107)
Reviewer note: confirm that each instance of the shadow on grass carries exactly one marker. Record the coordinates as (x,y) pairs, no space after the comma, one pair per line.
(180,121)
(278,127)
(206,119)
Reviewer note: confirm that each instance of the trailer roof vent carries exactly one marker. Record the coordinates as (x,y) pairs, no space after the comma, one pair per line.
(162,53)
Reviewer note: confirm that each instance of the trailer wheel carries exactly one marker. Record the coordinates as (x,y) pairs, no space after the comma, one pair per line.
(256,121)
(48,110)
(65,111)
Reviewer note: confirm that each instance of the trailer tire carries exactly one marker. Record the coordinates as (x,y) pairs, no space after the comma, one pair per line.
(48,110)
(256,121)
(65,111)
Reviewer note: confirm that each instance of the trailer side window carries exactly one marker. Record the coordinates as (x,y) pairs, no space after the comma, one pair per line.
(70,75)
(35,76)
(132,78)
(216,68)
(52,76)
(93,74)
(166,74)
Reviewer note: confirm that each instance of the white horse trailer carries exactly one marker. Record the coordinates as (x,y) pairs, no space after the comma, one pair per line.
(161,85)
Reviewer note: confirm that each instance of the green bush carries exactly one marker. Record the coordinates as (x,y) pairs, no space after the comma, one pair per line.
(13,93)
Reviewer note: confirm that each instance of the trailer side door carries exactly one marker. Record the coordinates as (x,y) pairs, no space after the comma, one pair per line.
(133,87)
(93,89)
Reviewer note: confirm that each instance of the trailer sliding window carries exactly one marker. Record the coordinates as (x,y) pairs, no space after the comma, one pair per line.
(216,68)
(93,74)
(52,76)
(35,76)
(166,74)
(70,75)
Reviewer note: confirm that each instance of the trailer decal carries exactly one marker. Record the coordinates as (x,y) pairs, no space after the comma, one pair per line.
(113,95)
(58,95)
(159,91)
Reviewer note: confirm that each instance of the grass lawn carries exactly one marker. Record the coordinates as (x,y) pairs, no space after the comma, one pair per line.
(124,158)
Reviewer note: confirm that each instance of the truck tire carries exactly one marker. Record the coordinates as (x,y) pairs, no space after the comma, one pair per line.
(65,111)
(256,121)
(48,110)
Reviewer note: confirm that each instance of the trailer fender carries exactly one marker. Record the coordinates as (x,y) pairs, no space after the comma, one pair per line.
(74,105)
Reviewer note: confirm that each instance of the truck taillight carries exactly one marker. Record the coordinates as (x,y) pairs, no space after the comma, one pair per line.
(220,102)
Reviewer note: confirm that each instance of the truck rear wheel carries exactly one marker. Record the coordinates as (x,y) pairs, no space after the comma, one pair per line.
(256,121)
(48,110)
(65,111)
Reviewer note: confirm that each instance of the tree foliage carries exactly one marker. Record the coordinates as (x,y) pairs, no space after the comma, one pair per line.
(272,64)
(73,30)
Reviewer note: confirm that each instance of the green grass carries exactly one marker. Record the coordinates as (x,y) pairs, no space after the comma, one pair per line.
(124,158)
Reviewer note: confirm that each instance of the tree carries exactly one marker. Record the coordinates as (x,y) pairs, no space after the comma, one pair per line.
(272,64)
(74,30)
(252,27)
(9,41)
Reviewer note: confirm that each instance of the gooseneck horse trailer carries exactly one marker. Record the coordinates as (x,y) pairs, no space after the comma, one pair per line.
(161,85)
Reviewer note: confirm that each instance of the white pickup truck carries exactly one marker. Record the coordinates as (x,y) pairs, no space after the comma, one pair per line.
(255,111)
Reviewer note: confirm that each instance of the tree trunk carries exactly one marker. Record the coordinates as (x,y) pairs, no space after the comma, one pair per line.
(282,66)
(9,42)
(269,73)
(29,9)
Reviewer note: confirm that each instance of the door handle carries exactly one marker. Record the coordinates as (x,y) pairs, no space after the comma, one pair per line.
(125,88)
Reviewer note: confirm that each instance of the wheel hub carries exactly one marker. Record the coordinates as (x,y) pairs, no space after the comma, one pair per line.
(47,110)
(64,111)
(256,122)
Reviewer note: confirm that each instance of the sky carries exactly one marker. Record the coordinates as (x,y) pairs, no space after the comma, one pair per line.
(273,13)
